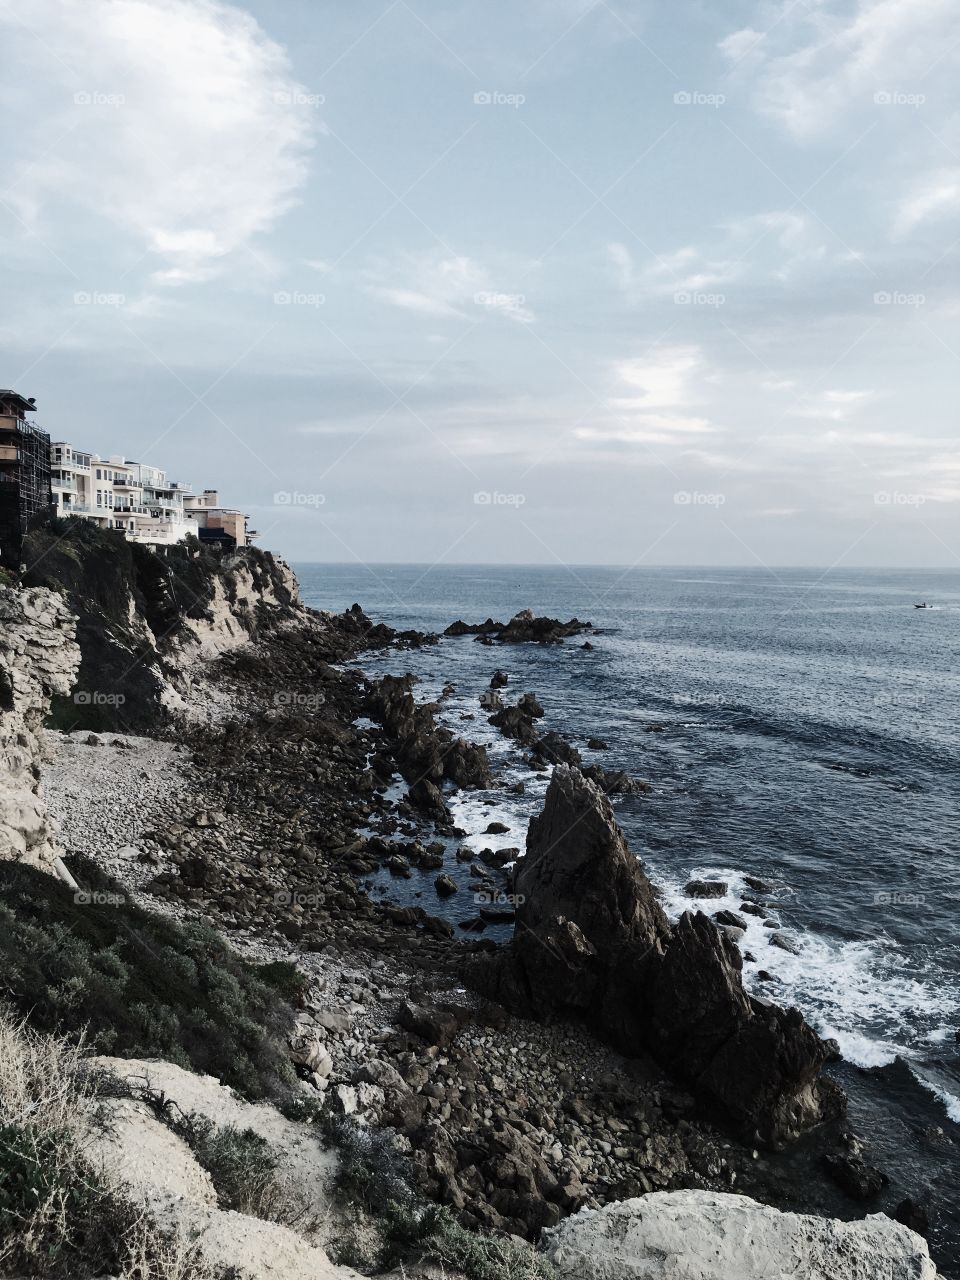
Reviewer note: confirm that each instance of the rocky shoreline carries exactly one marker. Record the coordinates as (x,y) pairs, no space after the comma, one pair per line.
(513,1117)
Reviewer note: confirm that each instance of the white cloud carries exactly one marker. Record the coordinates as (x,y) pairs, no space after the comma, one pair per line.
(816,65)
(436,283)
(935,195)
(176,121)
(685,270)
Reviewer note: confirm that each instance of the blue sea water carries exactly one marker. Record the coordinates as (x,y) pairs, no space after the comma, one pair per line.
(802,726)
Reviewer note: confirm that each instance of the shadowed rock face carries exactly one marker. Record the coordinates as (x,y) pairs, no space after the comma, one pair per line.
(592,941)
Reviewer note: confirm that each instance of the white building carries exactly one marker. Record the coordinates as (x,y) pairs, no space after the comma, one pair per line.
(138,500)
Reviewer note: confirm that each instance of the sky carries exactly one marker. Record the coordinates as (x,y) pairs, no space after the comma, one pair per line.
(532,281)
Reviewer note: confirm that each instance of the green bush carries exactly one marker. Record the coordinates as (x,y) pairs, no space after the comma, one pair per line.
(141,984)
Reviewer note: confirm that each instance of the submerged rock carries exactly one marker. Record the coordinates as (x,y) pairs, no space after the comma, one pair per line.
(709,1236)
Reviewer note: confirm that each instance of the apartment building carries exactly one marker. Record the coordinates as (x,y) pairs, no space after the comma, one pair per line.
(25,487)
(139,500)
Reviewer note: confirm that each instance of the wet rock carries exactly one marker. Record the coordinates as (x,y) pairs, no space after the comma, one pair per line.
(785,941)
(597,744)
(705,889)
(522,628)
(757,885)
(730,918)
(859,1180)
(499,680)
(445,886)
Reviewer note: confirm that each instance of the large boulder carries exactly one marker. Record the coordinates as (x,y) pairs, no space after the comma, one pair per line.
(701,1235)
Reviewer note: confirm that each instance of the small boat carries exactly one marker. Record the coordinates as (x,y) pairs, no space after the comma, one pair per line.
(922,606)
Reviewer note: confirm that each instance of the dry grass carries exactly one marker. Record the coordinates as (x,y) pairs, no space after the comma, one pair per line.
(60,1217)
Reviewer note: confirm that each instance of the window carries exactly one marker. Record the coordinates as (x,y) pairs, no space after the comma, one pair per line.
(99,498)
(99,474)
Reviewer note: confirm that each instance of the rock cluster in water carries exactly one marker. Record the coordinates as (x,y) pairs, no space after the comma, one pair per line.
(524,627)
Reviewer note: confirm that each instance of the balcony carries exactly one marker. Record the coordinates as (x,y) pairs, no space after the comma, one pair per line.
(9,453)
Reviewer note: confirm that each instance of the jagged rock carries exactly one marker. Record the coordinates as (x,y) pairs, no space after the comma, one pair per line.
(708,1236)
(591,939)
(597,744)
(426,754)
(512,723)
(499,680)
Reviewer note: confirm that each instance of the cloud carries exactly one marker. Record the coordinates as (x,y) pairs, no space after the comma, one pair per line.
(177,122)
(833,406)
(935,195)
(816,65)
(439,284)
(685,270)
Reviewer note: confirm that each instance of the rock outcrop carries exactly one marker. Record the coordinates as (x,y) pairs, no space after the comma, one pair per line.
(38,660)
(147,620)
(700,1235)
(523,628)
(426,754)
(592,941)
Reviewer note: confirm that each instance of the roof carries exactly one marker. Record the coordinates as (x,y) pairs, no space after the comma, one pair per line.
(21,402)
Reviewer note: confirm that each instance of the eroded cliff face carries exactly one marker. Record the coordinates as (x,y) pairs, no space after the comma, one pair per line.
(147,621)
(39,660)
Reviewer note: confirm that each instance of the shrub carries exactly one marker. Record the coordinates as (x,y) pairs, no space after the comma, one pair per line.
(60,1219)
(140,984)
(242,1167)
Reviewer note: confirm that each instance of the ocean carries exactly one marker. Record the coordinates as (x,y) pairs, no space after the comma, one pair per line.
(799,725)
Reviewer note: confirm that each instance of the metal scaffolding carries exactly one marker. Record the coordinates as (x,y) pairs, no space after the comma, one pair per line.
(24,475)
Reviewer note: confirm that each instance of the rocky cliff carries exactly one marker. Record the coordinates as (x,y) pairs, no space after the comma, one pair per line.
(147,619)
(592,942)
(699,1235)
(39,658)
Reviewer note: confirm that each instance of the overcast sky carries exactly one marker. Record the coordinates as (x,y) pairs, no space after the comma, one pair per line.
(526,280)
